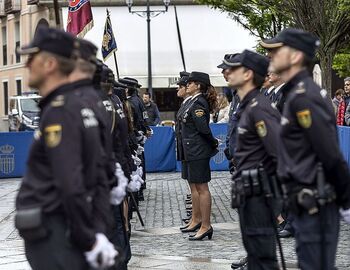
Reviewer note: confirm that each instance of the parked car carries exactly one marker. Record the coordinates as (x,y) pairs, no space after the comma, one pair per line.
(24,112)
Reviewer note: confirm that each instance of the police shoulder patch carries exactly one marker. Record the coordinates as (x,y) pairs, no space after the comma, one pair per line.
(53,134)
(58,101)
(199,112)
(304,118)
(261,128)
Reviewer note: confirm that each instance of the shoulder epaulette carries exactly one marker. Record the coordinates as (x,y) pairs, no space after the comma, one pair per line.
(58,101)
(300,89)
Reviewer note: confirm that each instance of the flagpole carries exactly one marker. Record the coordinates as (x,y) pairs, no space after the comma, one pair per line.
(114,54)
(57,13)
(180,39)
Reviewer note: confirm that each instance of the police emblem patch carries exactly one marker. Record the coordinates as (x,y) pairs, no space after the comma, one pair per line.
(7,159)
(304,118)
(261,129)
(53,134)
(199,113)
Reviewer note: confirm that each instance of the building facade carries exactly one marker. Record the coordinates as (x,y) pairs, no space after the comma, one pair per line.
(18,22)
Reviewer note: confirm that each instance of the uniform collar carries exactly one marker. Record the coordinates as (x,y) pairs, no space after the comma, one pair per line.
(196,95)
(295,80)
(81,83)
(252,94)
(61,90)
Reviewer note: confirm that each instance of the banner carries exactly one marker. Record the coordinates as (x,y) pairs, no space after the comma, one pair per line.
(108,41)
(80,19)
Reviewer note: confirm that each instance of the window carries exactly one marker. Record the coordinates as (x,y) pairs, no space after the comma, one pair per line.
(4,46)
(19,87)
(5,86)
(17,41)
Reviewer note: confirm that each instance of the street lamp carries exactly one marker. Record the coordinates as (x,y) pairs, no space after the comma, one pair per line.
(148,14)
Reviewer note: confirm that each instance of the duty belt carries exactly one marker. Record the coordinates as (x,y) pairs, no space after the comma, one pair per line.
(251,183)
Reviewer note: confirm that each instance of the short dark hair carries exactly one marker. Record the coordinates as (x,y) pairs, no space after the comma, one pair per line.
(258,80)
(65,65)
(147,94)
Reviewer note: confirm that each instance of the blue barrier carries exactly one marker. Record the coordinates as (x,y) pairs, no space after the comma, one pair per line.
(219,161)
(14,149)
(159,150)
(344,142)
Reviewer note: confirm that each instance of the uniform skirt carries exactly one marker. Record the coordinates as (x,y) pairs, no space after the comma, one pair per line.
(198,171)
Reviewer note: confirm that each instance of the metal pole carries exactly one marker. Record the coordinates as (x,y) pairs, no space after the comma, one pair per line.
(150,90)
(57,13)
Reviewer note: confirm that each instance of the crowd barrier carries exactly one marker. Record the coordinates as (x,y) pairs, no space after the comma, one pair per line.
(160,150)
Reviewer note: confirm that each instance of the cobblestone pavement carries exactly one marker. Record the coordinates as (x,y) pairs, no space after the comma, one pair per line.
(160,244)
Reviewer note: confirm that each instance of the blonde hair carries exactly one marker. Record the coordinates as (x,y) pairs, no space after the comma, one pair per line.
(224,102)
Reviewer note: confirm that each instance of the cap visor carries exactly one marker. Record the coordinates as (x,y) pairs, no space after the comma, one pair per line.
(27,50)
(223,66)
(271,44)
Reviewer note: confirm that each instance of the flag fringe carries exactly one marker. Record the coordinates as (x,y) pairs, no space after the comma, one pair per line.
(86,29)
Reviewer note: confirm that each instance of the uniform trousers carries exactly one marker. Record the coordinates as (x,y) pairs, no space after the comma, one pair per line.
(55,251)
(315,253)
(258,234)
(120,238)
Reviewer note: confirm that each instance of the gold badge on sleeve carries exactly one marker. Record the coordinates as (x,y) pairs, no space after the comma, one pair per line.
(53,134)
(304,118)
(199,113)
(261,128)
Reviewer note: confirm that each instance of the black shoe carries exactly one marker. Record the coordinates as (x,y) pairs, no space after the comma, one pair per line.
(239,263)
(285,234)
(243,267)
(184,227)
(186,220)
(208,233)
(195,228)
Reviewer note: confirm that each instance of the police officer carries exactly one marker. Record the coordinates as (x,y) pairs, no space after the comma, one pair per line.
(199,145)
(139,116)
(232,127)
(256,154)
(232,123)
(312,168)
(181,93)
(61,191)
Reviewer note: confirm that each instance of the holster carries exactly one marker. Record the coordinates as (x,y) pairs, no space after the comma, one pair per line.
(29,223)
(237,193)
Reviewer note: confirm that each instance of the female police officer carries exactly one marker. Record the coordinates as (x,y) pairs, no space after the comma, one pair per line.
(199,145)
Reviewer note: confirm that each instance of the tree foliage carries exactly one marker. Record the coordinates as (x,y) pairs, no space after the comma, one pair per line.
(328,19)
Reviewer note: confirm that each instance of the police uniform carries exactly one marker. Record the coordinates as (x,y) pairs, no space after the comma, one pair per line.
(311,165)
(232,123)
(256,155)
(58,198)
(198,143)
(178,135)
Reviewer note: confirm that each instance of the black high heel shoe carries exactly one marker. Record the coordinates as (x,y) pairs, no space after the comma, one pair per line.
(208,233)
(184,227)
(195,228)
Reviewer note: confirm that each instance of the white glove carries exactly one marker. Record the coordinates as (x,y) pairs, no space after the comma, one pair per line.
(103,253)
(134,185)
(136,177)
(137,161)
(140,150)
(118,193)
(144,139)
(139,171)
(345,214)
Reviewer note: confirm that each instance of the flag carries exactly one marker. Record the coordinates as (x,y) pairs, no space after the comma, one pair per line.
(108,41)
(80,19)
